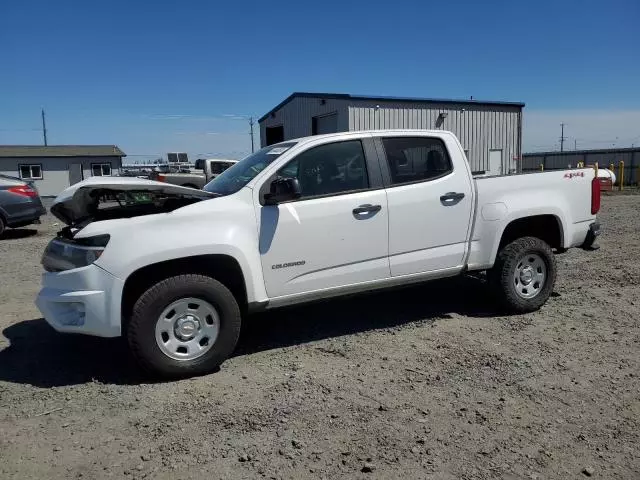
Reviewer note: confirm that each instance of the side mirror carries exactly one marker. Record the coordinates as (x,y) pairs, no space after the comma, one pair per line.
(282,190)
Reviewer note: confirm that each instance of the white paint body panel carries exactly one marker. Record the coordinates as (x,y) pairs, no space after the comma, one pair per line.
(424,234)
(337,247)
(412,238)
(505,199)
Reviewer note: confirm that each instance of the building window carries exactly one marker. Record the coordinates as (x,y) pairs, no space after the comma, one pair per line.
(100,169)
(31,172)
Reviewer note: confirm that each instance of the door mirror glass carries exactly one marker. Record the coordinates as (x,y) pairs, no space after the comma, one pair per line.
(282,190)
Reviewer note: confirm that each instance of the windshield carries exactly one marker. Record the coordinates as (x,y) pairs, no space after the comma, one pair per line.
(237,176)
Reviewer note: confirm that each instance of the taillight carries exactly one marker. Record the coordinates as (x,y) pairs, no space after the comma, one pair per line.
(595,196)
(24,190)
(162,178)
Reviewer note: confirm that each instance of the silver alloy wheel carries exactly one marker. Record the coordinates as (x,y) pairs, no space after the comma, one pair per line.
(187,328)
(530,275)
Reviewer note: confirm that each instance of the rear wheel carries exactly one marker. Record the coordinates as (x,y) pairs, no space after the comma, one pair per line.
(524,274)
(184,326)
(3,226)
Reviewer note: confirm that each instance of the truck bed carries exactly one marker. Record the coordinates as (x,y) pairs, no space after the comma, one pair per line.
(499,197)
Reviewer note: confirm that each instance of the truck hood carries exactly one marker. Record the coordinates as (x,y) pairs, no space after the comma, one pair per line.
(101,198)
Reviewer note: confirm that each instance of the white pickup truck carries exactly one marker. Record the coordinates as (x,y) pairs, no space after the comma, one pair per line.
(206,170)
(175,269)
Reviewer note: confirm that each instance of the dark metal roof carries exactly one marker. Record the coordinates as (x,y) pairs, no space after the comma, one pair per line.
(60,151)
(582,152)
(347,96)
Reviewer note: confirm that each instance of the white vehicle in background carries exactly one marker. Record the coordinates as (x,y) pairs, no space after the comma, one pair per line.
(176,269)
(206,170)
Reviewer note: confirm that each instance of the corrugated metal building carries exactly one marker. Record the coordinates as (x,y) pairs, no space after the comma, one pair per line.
(604,157)
(55,167)
(490,132)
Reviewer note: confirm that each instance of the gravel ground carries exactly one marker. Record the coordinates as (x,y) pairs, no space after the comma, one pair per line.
(426,382)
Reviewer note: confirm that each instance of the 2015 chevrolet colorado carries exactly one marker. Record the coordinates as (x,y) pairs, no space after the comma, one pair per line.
(175,269)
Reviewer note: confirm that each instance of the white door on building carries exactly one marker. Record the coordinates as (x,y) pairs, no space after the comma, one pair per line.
(324,124)
(495,162)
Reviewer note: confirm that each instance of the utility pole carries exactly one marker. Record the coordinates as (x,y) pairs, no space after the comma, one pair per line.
(44,128)
(251,132)
(562,137)
(575,144)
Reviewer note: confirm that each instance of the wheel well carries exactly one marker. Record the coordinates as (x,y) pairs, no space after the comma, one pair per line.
(544,227)
(223,268)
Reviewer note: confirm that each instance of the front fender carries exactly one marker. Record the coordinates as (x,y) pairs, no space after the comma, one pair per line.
(224,226)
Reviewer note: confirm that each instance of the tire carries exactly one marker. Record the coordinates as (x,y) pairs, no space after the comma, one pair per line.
(154,331)
(514,276)
(2,226)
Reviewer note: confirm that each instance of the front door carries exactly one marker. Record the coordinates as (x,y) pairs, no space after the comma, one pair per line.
(430,206)
(335,234)
(75,173)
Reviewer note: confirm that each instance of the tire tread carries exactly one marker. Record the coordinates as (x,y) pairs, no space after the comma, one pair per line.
(164,289)
(500,276)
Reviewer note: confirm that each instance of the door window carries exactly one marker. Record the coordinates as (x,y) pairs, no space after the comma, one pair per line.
(416,159)
(330,169)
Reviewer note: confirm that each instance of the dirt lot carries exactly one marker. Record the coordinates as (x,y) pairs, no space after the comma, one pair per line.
(427,382)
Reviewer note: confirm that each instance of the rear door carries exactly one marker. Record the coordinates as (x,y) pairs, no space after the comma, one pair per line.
(430,205)
(336,233)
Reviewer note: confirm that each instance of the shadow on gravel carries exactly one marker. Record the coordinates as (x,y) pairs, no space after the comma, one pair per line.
(18,234)
(40,356)
(37,355)
(371,311)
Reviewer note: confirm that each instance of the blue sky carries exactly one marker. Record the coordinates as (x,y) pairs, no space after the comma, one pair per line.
(163,76)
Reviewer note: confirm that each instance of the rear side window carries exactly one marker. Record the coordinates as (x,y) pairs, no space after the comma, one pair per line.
(416,159)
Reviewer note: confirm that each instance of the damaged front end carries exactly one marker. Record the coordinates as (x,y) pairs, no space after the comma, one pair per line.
(103,199)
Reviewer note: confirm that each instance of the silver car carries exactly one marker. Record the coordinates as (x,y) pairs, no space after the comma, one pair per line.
(20,204)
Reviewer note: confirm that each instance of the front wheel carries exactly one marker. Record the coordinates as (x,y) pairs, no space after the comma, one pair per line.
(524,274)
(184,326)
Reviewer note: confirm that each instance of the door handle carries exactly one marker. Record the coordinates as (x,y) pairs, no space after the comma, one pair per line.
(451,198)
(366,209)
